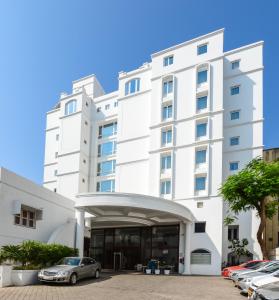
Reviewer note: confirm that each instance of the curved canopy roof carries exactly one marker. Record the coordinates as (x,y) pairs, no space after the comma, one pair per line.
(113,209)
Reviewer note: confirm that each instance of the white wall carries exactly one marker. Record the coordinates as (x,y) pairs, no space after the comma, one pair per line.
(57,210)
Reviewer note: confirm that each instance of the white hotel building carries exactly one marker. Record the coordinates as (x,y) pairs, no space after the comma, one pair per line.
(147,160)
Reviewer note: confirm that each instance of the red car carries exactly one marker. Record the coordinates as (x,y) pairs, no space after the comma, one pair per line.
(247,265)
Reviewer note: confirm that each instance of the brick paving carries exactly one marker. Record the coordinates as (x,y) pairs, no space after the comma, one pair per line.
(130,287)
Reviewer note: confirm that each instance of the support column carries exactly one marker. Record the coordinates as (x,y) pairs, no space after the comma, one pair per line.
(80,231)
(187,249)
(181,247)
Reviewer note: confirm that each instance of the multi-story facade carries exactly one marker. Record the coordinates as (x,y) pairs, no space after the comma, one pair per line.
(173,131)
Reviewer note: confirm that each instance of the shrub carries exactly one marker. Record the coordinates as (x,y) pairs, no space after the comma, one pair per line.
(35,255)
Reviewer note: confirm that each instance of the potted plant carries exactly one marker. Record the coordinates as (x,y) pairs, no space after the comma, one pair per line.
(157,271)
(167,270)
(148,271)
(5,272)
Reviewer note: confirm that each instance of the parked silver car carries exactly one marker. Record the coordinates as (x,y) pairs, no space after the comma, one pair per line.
(70,270)
(267,292)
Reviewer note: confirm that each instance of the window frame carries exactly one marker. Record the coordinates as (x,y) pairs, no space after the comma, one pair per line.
(201,97)
(167,62)
(235,87)
(168,87)
(169,108)
(129,86)
(237,61)
(196,230)
(202,253)
(112,186)
(20,217)
(101,173)
(165,188)
(233,112)
(201,47)
(101,127)
(198,124)
(236,138)
(231,163)
(70,107)
(197,177)
(165,132)
(166,162)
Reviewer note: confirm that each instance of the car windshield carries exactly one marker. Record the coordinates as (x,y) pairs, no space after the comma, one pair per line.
(70,261)
(271,269)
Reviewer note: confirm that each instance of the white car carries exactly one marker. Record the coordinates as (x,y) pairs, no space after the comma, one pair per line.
(245,281)
(259,282)
(261,266)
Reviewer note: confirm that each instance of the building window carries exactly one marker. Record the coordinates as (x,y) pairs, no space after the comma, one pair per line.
(26,218)
(55,172)
(106,186)
(168,60)
(70,107)
(83,180)
(106,149)
(99,109)
(56,154)
(200,183)
(199,204)
(84,161)
(86,103)
(235,115)
(200,156)
(200,227)
(55,190)
(86,123)
(115,103)
(167,112)
(234,166)
(235,90)
(201,130)
(235,64)
(85,142)
(166,137)
(132,86)
(106,168)
(200,257)
(202,76)
(233,232)
(165,187)
(201,49)
(165,162)
(107,106)
(234,141)
(107,130)
(201,102)
(57,137)
(167,87)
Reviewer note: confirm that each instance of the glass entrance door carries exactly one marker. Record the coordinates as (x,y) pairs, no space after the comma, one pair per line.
(137,245)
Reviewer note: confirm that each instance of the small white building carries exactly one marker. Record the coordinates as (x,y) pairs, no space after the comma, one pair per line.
(148,159)
(31,212)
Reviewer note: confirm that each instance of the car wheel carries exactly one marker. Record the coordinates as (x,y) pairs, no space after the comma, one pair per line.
(73,279)
(97,274)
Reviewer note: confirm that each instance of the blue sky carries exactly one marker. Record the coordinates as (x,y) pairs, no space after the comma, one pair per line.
(46,44)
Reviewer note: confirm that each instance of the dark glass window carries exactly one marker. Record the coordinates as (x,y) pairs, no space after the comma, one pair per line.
(233,232)
(200,227)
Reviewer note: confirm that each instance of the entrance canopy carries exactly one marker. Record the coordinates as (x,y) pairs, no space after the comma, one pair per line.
(118,209)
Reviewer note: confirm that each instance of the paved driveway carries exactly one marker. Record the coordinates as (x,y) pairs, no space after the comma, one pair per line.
(129,287)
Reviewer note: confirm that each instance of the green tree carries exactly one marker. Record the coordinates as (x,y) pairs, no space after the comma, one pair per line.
(256,187)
